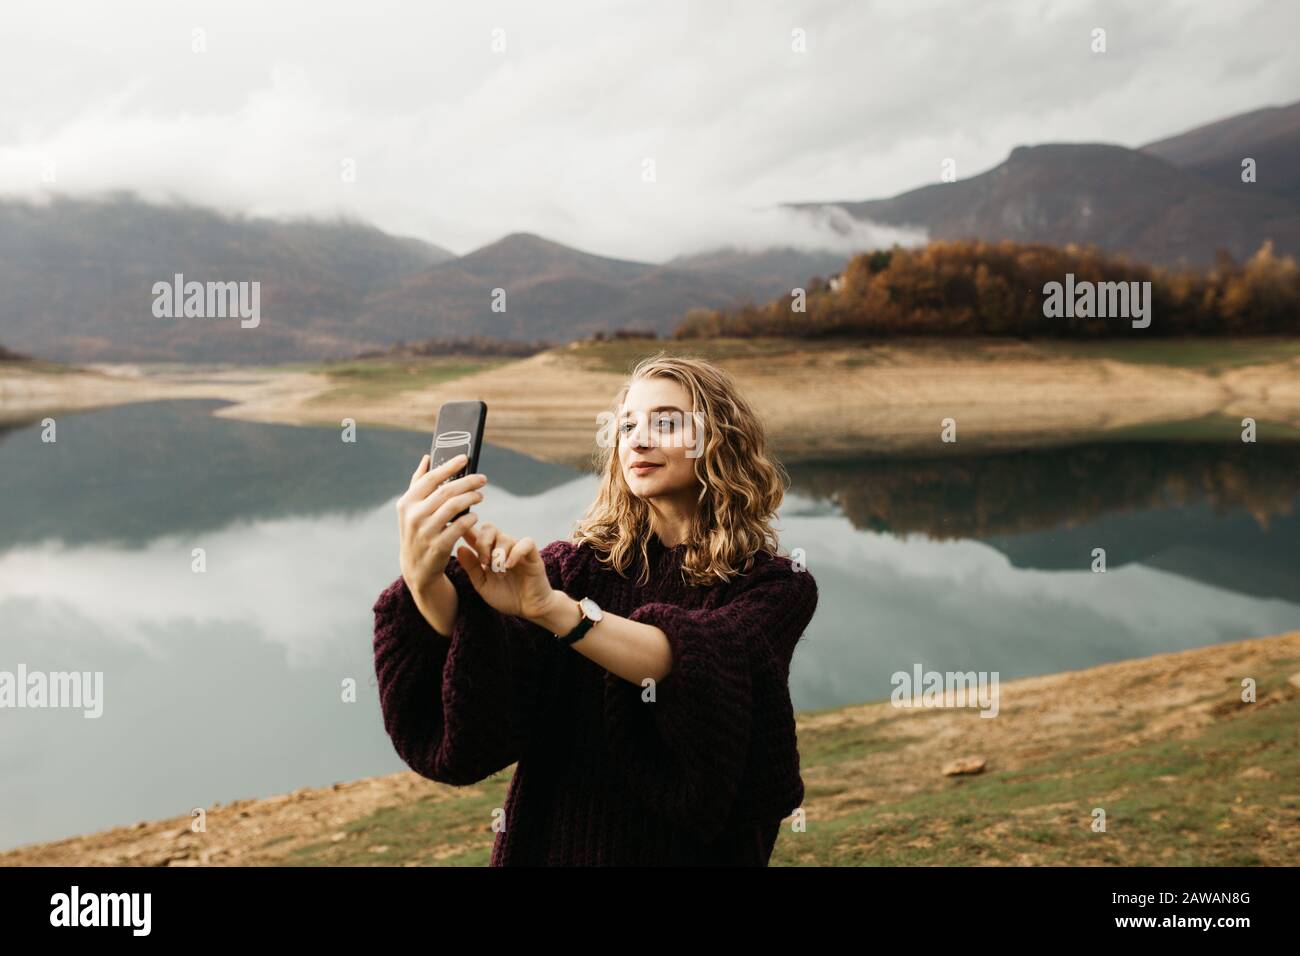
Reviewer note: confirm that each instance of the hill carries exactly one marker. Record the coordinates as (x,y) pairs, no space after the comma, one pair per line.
(78,276)
(1121,200)
(557,293)
(1270,136)
(78,273)
(974,287)
(1174,202)
(783,267)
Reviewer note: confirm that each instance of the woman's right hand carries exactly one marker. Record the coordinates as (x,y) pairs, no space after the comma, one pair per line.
(423,513)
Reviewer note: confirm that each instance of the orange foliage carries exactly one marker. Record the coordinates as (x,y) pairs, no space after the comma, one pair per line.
(982,288)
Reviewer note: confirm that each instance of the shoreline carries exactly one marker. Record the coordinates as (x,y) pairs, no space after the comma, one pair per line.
(818,400)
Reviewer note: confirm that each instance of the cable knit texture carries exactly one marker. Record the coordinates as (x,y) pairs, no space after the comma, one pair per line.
(703,774)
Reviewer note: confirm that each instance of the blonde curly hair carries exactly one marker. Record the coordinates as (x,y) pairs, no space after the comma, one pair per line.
(741,487)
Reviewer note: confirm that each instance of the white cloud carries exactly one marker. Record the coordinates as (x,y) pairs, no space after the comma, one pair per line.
(460,145)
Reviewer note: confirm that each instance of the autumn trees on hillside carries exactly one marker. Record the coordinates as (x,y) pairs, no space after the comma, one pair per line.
(987,288)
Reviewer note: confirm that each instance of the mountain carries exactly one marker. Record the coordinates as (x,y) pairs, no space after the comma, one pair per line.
(524,257)
(78,278)
(1270,136)
(1171,203)
(78,275)
(784,267)
(552,292)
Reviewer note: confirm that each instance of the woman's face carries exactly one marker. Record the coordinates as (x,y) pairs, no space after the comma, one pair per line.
(656,426)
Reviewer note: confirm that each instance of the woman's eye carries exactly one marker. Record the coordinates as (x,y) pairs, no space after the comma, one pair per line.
(661,422)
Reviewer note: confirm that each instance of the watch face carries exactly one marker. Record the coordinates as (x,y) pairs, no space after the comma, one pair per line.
(592,609)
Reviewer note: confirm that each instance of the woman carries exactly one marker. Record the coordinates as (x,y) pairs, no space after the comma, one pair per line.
(649,714)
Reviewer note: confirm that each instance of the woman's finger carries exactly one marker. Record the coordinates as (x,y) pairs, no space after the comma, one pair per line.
(420,469)
(520,552)
(464,495)
(428,499)
(447,536)
(486,542)
(430,523)
(434,477)
(503,545)
(407,495)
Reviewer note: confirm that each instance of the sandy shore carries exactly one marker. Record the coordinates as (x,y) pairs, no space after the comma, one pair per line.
(30,392)
(817,401)
(881,755)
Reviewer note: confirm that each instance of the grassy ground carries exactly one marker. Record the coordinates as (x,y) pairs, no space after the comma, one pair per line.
(428,832)
(1173,803)
(1202,799)
(1186,773)
(367,378)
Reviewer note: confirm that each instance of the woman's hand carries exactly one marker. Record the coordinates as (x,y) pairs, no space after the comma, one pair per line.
(423,513)
(510,575)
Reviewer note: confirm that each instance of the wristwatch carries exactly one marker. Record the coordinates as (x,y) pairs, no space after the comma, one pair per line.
(591,614)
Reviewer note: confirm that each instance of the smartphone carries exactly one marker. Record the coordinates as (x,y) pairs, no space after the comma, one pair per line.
(459,432)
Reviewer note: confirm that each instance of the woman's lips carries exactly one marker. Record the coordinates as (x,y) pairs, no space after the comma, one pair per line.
(644,469)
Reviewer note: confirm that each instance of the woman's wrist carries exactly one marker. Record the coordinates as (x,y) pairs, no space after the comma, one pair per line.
(437,602)
(560,615)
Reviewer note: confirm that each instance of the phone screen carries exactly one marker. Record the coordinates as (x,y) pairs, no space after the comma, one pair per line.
(459,432)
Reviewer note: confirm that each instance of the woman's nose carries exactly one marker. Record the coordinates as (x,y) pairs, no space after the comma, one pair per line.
(640,435)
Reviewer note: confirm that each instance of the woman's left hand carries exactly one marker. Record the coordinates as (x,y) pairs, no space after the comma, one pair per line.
(510,575)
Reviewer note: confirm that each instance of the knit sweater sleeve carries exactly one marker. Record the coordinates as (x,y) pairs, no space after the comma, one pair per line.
(685,752)
(459,708)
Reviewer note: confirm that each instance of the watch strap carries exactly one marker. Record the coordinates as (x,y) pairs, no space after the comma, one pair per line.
(579,630)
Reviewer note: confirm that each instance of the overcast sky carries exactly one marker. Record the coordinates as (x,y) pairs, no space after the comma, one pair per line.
(459,144)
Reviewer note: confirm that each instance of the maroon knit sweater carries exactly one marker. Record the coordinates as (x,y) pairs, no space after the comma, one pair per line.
(704,774)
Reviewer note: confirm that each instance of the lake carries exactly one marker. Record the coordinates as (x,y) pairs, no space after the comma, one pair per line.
(227,684)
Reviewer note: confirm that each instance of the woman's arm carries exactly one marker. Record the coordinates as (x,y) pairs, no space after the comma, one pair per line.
(683,749)
(520,586)
(438,603)
(622,646)
(460,707)
(459,682)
